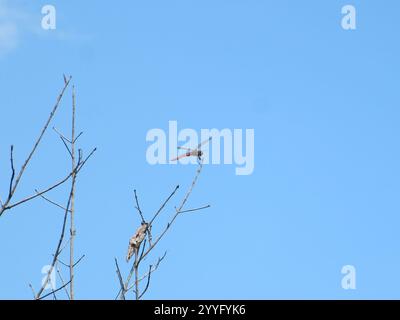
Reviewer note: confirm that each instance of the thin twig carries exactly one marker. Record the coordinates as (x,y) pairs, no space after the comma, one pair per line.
(63,263)
(178,211)
(52,202)
(136,270)
(61,135)
(78,168)
(153,269)
(138,207)
(39,193)
(12,172)
(62,281)
(72,212)
(44,129)
(66,146)
(143,247)
(131,272)
(57,251)
(33,291)
(82,163)
(147,284)
(195,209)
(64,246)
(79,260)
(121,282)
(77,137)
(148,230)
(139,258)
(54,291)
(14,184)
(163,205)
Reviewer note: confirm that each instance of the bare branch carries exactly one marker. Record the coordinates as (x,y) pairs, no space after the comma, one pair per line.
(178,211)
(65,264)
(39,193)
(195,209)
(33,291)
(82,163)
(153,269)
(72,212)
(121,282)
(188,193)
(77,169)
(77,137)
(54,291)
(66,147)
(136,271)
(14,184)
(163,205)
(62,282)
(79,260)
(143,247)
(39,139)
(50,201)
(64,246)
(12,172)
(147,284)
(61,135)
(138,207)
(125,287)
(57,251)
(148,229)
(60,261)
(131,272)
(77,163)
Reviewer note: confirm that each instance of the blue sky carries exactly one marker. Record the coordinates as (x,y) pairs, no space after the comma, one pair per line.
(324,104)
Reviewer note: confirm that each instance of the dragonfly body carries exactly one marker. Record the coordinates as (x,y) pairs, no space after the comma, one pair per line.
(192,153)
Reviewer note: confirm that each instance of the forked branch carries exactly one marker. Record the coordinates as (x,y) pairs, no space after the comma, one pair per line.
(144,248)
(14,182)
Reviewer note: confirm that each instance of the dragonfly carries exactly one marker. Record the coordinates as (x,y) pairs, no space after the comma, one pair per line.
(192,152)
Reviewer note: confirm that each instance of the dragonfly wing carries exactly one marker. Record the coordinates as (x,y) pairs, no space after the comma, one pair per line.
(183,148)
(203,143)
(180,157)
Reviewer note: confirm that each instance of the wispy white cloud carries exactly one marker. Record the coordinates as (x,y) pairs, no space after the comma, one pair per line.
(8,37)
(16,23)
(9,27)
